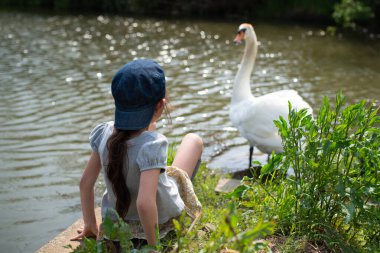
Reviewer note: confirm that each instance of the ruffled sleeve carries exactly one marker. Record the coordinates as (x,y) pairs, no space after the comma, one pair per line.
(96,136)
(153,154)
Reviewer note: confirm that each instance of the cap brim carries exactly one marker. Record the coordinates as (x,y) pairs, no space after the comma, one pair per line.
(134,120)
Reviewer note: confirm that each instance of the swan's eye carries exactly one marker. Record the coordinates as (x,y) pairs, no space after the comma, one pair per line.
(242,30)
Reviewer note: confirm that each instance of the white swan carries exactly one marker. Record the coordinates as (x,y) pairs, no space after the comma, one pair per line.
(253,116)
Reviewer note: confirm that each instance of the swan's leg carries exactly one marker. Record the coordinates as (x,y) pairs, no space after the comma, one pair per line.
(250,157)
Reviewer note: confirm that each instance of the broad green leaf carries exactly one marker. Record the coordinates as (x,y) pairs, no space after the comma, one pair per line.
(238,191)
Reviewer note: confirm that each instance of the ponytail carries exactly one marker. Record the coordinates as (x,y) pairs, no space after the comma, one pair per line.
(117,153)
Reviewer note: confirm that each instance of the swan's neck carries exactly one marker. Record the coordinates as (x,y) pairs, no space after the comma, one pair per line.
(241,89)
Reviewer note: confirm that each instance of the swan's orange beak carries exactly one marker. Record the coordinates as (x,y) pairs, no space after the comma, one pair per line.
(239,37)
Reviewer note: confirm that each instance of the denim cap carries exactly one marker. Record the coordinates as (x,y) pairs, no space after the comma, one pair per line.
(136,89)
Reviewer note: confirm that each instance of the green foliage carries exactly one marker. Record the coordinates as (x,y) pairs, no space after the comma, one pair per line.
(117,238)
(114,6)
(246,240)
(348,13)
(228,234)
(234,228)
(334,194)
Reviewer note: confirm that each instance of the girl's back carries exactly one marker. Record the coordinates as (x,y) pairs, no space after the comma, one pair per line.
(144,152)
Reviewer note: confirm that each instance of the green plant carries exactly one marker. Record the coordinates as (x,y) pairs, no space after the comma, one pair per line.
(348,13)
(228,236)
(334,194)
(117,238)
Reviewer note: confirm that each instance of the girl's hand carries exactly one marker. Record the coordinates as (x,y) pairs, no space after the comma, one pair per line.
(87,231)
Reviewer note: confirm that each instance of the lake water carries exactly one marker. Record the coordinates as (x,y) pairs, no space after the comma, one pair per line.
(55,74)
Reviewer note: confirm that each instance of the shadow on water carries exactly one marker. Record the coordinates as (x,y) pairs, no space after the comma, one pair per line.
(55,74)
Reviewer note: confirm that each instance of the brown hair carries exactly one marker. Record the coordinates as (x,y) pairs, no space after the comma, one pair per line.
(117,152)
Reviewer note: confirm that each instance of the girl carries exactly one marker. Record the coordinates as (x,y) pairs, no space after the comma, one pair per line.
(139,185)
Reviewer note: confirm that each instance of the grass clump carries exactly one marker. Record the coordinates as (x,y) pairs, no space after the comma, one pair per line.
(223,225)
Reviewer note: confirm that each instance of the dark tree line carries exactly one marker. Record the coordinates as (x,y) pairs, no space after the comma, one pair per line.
(349,14)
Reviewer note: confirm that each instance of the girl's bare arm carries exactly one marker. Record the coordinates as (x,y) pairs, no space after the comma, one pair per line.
(146,203)
(87,184)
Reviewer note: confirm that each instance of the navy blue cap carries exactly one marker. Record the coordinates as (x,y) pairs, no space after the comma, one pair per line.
(136,89)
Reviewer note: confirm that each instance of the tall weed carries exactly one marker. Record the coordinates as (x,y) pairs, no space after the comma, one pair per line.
(334,195)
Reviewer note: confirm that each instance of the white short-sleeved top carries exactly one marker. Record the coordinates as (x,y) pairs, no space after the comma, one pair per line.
(144,152)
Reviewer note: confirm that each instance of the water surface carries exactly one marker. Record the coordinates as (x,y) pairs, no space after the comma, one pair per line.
(55,74)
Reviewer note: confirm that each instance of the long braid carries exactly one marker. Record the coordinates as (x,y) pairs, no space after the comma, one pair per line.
(117,153)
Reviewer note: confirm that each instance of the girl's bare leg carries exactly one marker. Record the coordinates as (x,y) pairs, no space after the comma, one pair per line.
(189,153)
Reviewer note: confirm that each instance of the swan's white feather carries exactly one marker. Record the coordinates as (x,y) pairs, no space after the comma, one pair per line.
(254,117)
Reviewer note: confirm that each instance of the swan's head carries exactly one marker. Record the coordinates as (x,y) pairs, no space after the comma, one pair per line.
(245,32)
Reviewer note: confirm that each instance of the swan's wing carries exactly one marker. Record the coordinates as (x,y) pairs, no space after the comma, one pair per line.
(254,117)
(283,96)
(254,120)
(258,113)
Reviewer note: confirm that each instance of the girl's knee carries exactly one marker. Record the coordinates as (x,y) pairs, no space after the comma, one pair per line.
(189,153)
(194,138)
